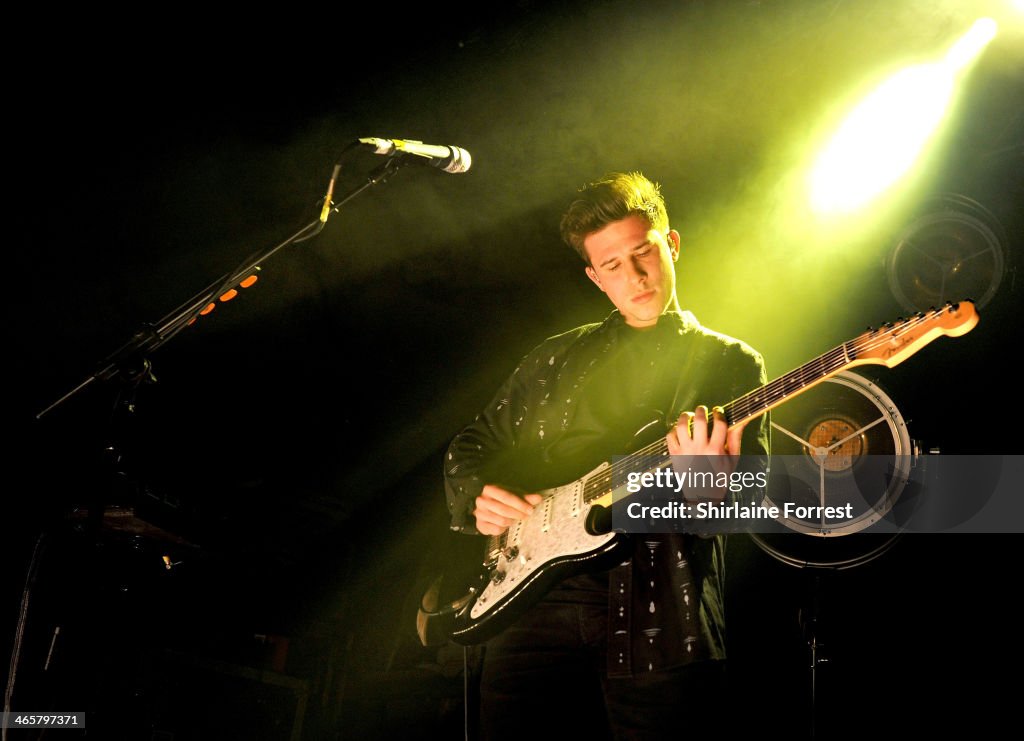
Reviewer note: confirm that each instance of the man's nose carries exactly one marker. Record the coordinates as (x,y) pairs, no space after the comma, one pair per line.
(636,271)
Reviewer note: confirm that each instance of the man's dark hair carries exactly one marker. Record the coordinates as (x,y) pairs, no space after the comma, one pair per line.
(611,198)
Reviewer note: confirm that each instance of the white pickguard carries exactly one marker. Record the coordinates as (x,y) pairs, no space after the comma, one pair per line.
(555,530)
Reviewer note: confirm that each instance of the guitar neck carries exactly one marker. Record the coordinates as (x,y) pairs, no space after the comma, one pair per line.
(888,345)
(763,398)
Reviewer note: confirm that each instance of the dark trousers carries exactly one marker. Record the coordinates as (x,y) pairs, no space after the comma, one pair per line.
(546,675)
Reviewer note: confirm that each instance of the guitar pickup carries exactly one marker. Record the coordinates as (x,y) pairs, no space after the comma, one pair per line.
(546,513)
(577,499)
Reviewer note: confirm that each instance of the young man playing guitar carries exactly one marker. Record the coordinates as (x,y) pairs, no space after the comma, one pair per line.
(635,649)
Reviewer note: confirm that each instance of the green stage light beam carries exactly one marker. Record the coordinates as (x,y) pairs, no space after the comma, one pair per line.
(883,136)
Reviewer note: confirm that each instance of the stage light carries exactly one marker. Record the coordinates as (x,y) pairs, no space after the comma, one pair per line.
(954,247)
(883,136)
(970,45)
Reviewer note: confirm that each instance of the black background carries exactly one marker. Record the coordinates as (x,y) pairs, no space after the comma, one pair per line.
(288,458)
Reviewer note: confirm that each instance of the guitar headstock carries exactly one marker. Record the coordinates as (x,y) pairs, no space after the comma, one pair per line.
(893,343)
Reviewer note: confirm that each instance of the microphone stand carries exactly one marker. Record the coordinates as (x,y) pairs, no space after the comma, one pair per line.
(130,364)
(816,654)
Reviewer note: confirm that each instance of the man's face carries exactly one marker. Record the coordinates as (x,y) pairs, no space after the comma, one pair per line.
(634,265)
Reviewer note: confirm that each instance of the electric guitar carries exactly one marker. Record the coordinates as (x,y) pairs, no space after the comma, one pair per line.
(562,536)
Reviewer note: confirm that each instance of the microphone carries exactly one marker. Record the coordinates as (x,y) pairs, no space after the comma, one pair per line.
(448,158)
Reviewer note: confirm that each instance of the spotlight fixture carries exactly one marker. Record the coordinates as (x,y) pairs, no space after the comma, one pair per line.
(953,248)
(835,439)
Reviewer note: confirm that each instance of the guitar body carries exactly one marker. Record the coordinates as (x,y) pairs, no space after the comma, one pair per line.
(564,536)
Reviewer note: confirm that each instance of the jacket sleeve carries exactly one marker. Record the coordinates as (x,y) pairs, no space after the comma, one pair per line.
(479,450)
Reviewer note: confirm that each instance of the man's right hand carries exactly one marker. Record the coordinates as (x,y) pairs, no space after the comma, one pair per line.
(497,508)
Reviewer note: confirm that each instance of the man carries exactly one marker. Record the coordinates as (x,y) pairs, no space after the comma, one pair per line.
(636,651)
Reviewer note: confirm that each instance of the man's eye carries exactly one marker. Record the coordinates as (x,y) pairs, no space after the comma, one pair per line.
(612,268)
(644,253)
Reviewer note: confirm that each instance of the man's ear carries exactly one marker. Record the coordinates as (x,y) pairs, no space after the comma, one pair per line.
(672,237)
(592,274)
